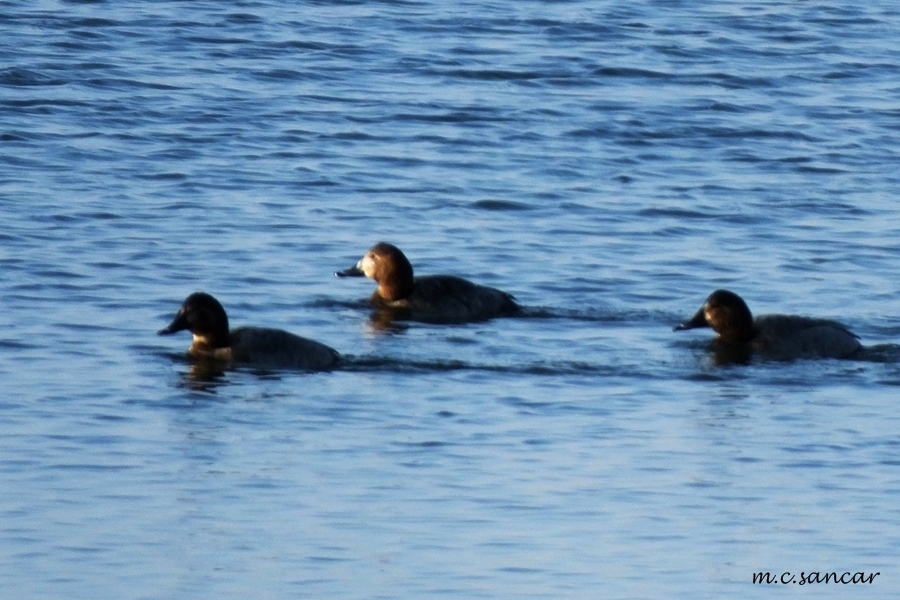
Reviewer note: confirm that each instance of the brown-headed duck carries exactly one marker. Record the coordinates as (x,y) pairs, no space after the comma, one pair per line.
(782,337)
(204,317)
(432,298)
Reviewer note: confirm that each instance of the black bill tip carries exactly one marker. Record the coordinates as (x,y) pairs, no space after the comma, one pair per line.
(353,271)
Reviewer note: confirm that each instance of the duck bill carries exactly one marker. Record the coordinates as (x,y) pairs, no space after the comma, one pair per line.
(179,323)
(698,320)
(353,271)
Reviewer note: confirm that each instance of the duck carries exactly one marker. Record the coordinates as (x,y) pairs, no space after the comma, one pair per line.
(205,318)
(782,337)
(430,298)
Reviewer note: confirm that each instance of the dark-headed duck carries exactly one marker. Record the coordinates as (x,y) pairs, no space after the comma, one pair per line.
(204,317)
(432,298)
(783,337)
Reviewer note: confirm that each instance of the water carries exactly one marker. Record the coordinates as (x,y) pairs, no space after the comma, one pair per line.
(609,163)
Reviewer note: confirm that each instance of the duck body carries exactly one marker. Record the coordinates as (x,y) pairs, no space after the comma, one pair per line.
(782,337)
(793,336)
(446,298)
(430,298)
(204,317)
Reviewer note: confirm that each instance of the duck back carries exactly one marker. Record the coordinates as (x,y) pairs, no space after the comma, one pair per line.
(278,348)
(450,299)
(792,336)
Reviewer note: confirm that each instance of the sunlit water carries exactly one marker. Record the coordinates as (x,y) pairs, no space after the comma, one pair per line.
(609,163)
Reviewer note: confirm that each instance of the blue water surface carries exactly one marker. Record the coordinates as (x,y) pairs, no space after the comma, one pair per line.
(608,163)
